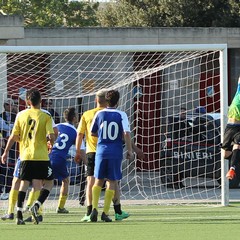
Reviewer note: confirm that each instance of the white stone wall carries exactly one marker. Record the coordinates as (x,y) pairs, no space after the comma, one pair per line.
(128,36)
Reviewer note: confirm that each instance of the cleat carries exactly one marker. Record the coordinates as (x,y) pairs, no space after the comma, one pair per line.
(4,196)
(34,211)
(94,215)
(231,174)
(30,219)
(86,218)
(105,218)
(62,210)
(40,218)
(8,217)
(19,221)
(119,217)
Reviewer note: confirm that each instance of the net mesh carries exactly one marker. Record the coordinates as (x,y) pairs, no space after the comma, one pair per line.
(182,156)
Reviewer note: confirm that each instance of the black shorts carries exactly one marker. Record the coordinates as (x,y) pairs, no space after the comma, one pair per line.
(36,170)
(90,163)
(231,135)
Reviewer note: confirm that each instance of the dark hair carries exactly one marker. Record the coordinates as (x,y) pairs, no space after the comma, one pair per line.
(34,96)
(112,98)
(69,114)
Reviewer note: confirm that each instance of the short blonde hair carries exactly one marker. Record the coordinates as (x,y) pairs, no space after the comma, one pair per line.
(101,92)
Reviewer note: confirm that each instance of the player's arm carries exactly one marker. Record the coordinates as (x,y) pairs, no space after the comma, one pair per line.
(94,126)
(83,152)
(50,129)
(11,140)
(55,129)
(138,151)
(51,138)
(78,145)
(128,142)
(49,144)
(81,129)
(127,135)
(83,156)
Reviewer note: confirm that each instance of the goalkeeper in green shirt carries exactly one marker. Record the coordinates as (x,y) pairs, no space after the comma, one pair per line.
(231,142)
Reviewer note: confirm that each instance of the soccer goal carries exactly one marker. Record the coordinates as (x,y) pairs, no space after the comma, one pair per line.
(157,83)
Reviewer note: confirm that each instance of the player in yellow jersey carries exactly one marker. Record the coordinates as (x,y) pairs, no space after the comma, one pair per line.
(13,195)
(30,130)
(91,145)
(84,129)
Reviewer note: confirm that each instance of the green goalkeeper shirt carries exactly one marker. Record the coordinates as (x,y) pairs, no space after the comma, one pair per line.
(234,109)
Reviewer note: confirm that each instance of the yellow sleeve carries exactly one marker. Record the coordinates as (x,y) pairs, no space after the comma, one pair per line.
(16,128)
(49,126)
(82,125)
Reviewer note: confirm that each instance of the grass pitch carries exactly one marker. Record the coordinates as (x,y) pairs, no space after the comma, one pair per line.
(146,222)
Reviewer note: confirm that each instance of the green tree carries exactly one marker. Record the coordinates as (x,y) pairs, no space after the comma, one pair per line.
(170,13)
(52,13)
(126,13)
(80,14)
(121,14)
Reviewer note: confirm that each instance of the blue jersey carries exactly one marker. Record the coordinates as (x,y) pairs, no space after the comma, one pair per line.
(110,124)
(58,157)
(67,134)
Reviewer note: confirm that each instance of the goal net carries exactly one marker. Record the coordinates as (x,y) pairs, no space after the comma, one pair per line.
(171,95)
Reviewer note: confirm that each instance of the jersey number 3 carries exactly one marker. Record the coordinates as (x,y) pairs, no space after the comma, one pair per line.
(64,138)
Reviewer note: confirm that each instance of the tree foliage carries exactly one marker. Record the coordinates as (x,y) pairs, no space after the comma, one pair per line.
(126,13)
(52,13)
(171,13)
(123,14)
(81,14)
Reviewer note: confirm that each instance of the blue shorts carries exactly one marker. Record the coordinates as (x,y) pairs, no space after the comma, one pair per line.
(109,168)
(59,167)
(16,172)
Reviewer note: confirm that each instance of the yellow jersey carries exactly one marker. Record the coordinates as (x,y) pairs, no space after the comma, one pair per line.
(32,126)
(84,127)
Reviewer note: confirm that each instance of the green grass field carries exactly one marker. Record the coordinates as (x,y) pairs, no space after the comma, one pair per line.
(145,222)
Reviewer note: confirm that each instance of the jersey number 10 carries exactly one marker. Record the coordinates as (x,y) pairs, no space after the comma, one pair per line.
(110,131)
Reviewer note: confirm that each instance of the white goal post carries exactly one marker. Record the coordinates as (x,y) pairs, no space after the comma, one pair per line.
(156,82)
